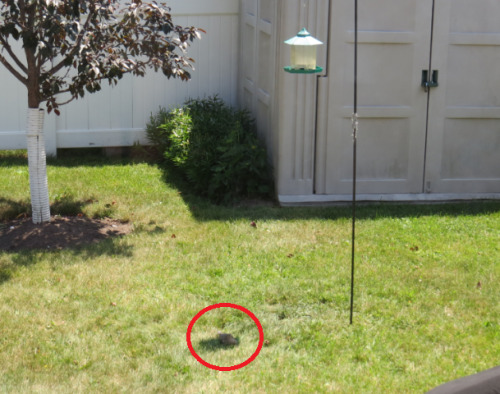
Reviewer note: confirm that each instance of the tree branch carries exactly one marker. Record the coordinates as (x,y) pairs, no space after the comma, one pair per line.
(56,94)
(13,71)
(76,47)
(22,11)
(67,101)
(11,53)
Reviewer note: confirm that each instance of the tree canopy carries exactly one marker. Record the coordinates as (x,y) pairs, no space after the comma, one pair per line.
(72,46)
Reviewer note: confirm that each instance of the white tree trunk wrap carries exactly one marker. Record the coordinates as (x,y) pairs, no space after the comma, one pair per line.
(37,166)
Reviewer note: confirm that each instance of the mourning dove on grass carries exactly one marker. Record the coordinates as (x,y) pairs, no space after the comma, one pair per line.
(227,339)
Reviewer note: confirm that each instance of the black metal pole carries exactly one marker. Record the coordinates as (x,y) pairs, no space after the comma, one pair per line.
(354,159)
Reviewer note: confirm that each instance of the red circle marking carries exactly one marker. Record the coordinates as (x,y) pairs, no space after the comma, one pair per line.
(225,305)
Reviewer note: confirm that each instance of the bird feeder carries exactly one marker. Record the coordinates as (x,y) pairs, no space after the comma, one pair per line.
(303,54)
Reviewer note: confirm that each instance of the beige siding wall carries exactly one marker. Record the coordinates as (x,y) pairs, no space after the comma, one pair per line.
(405,152)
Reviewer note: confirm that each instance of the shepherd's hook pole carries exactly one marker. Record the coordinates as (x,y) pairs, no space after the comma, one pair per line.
(355,124)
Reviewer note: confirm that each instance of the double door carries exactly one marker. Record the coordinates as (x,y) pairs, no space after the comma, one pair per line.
(412,139)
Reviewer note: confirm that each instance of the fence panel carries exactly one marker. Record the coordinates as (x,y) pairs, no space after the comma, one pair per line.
(116,116)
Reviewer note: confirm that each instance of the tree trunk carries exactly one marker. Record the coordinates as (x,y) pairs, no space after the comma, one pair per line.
(37,166)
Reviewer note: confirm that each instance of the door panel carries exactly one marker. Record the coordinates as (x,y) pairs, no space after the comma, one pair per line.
(248,66)
(394,38)
(464,117)
(257,61)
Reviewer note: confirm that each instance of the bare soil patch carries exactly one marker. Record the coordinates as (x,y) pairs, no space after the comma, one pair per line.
(60,233)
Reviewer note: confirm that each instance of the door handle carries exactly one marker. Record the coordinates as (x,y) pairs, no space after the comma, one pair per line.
(429,83)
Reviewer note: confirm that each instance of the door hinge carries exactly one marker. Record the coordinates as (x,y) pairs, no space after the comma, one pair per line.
(429,83)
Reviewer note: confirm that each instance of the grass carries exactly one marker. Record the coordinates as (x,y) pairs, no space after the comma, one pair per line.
(113,317)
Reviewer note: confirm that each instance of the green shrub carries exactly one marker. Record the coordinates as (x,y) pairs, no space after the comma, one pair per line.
(155,133)
(215,147)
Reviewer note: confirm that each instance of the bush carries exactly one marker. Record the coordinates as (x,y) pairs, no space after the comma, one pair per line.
(215,147)
(155,133)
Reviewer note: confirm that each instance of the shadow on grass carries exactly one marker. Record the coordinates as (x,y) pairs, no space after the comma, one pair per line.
(13,158)
(77,236)
(203,210)
(88,157)
(12,209)
(97,157)
(214,345)
(65,205)
(26,258)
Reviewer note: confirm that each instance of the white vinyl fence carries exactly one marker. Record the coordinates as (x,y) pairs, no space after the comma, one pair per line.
(117,116)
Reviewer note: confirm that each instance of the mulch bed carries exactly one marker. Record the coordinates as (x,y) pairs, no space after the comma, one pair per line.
(60,233)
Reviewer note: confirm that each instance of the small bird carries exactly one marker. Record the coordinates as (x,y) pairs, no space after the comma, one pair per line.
(227,339)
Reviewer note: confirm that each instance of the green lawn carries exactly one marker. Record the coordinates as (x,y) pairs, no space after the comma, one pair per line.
(113,317)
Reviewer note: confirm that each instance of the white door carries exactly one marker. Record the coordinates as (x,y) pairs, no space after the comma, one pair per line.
(257,59)
(463,148)
(394,37)
(446,140)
